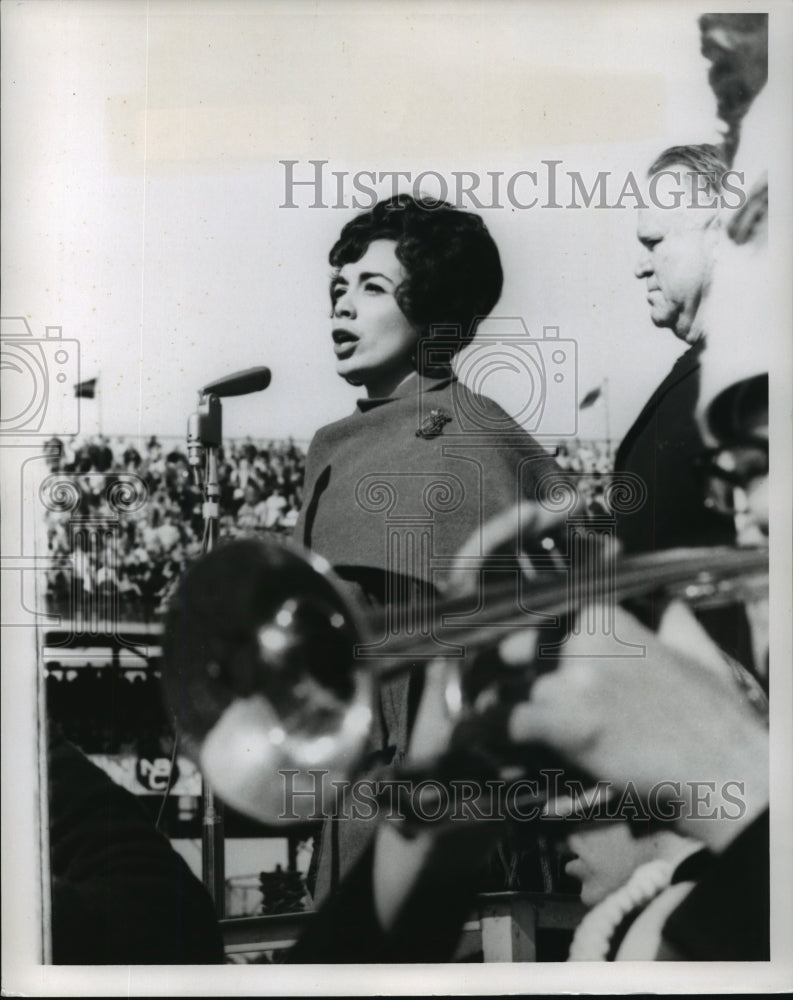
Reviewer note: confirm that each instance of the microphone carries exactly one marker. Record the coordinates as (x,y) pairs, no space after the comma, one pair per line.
(240,383)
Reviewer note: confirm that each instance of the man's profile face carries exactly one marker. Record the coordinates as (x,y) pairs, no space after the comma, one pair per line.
(676,257)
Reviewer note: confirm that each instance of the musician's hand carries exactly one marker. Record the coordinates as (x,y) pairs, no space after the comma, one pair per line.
(659,718)
(436,713)
(404,856)
(502,535)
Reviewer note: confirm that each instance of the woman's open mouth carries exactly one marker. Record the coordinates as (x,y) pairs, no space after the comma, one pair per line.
(344,343)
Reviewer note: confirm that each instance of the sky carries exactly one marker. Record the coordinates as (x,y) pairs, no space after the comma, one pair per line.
(142,206)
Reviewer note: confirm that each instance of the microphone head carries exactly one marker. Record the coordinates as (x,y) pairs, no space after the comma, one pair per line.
(240,383)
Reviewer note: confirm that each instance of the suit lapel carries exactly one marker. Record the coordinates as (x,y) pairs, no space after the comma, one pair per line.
(685,365)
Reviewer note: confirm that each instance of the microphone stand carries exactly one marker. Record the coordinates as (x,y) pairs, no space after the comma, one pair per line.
(204,438)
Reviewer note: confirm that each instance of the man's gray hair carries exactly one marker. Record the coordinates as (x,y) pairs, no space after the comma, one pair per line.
(706,160)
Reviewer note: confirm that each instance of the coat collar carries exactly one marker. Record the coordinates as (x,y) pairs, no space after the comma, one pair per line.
(413,385)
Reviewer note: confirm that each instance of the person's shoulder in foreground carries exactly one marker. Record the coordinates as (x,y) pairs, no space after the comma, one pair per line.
(121,895)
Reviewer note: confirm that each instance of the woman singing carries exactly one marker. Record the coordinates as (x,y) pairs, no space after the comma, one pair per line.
(393,490)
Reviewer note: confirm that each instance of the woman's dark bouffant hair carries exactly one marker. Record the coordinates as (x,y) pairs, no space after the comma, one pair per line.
(454,275)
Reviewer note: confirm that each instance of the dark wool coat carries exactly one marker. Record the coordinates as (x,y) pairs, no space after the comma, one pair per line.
(391,493)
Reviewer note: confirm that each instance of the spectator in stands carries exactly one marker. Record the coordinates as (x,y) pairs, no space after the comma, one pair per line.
(275,507)
(101,454)
(131,458)
(54,451)
(252,514)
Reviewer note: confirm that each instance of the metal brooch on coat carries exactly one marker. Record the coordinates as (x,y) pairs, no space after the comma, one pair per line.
(432,425)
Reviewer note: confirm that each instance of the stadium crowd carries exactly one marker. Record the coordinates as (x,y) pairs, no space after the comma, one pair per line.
(260,490)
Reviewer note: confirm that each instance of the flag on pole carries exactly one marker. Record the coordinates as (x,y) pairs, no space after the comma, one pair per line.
(85,390)
(591,397)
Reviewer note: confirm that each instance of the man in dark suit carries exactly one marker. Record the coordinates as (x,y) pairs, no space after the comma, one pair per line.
(664,442)
(664,446)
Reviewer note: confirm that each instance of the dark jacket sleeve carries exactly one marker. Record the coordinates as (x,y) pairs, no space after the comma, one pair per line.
(120,893)
(726,916)
(346,928)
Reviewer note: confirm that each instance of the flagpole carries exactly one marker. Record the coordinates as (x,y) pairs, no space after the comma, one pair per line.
(606,414)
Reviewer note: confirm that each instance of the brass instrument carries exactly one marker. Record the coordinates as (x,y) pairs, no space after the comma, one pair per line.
(274,672)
